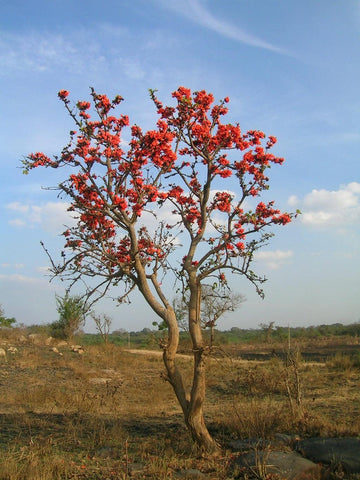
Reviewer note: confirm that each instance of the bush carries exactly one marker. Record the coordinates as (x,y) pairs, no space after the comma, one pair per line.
(343,362)
(4,321)
(72,311)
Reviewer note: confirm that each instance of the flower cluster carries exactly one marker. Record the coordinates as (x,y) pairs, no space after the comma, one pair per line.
(38,159)
(188,155)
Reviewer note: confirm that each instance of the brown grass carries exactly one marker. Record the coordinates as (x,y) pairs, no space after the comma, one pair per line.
(107,414)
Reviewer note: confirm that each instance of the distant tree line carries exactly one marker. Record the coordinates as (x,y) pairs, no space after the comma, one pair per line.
(72,313)
(148,338)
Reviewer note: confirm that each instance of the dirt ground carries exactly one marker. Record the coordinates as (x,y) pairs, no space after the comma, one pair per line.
(109,410)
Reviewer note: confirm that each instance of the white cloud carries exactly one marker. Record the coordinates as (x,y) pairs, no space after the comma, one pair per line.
(273,258)
(17,222)
(18,207)
(51,216)
(113,30)
(23,279)
(31,51)
(9,265)
(196,11)
(330,207)
(77,52)
(34,52)
(44,270)
(354,187)
(330,200)
(293,201)
(132,68)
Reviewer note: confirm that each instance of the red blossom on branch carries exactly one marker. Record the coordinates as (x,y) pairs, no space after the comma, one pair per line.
(190,152)
(140,198)
(63,94)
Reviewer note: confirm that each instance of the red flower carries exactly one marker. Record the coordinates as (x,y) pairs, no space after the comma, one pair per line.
(120,202)
(63,94)
(83,105)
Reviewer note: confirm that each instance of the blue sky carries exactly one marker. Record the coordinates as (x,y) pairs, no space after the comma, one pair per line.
(290,69)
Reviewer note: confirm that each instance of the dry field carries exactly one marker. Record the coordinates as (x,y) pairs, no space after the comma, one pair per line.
(107,414)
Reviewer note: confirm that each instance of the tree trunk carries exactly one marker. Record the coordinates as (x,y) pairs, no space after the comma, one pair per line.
(192,405)
(194,417)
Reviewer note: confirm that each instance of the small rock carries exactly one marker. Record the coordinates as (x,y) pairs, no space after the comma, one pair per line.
(282,439)
(289,465)
(108,452)
(248,444)
(332,451)
(100,380)
(136,468)
(190,474)
(77,349)
(35,338)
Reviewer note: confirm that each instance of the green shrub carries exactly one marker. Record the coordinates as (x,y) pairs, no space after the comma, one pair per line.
(72,311)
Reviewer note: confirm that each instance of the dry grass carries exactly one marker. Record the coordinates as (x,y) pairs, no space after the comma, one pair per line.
(107,414)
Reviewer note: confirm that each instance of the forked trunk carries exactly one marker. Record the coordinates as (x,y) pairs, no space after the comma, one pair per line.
(194,417)
(200,434)
(192,405)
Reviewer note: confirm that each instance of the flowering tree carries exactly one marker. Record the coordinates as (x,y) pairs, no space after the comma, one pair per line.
(194,167)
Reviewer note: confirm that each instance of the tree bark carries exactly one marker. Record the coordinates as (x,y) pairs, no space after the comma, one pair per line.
(192,405)
(194,417)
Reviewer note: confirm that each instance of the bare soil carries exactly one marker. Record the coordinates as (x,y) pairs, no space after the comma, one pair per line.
(109,414)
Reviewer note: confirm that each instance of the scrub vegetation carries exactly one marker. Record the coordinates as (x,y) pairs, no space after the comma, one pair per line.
(108,413)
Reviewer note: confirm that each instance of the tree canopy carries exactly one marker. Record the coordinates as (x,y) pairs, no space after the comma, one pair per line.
(181,199)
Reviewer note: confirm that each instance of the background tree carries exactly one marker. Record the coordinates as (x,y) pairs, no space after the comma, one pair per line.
(215,302)
(72,312)
(194,173)
(103,325)
(5,321)
(268,329)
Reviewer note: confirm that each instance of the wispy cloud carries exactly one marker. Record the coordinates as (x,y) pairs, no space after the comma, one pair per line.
(330,207)
(33,52)
(23,279)
(51,216)
(273,259)
(18,207)
(10,265)
(45,270)
(17,223)
(196,11)
(77,53)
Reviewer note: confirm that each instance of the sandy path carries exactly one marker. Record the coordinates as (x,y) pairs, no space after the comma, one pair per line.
(156,353)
